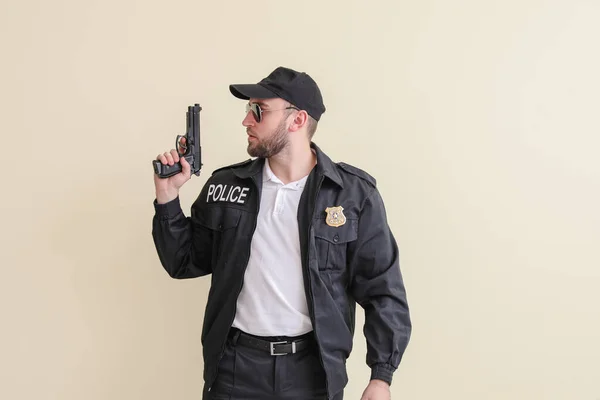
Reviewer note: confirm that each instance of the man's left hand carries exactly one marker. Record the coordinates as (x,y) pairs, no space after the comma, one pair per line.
(377,390)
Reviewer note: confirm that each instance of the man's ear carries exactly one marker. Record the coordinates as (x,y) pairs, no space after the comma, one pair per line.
(300,120)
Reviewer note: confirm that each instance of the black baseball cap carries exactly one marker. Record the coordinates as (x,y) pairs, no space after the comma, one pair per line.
(296,87)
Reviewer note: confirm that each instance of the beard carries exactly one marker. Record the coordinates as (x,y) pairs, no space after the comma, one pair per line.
(271,146)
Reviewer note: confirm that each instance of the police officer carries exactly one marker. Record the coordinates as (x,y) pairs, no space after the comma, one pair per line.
(293,241)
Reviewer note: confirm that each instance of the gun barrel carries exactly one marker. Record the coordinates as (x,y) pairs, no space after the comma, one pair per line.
(189,129)
(196,135)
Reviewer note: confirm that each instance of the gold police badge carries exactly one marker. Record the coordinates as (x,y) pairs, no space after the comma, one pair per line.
(335,216)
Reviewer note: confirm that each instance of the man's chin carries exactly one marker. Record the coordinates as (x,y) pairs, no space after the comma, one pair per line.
(253,151)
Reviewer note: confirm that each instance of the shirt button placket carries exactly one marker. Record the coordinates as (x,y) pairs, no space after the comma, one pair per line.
(278,208)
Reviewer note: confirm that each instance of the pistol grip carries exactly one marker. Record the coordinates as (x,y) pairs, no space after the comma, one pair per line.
(165,171)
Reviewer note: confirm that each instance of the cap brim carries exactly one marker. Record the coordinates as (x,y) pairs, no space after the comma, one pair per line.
(254,90)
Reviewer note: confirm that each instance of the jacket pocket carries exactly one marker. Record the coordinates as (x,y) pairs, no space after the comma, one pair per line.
(219,218)
(222,222)
(332,243)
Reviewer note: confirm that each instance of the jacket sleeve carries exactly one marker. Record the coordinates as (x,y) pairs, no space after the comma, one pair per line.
(377,285)
(183,245)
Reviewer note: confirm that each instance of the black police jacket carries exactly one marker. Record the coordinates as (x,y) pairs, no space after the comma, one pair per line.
(349,255)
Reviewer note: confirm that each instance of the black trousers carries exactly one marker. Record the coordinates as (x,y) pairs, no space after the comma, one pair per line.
(251,374)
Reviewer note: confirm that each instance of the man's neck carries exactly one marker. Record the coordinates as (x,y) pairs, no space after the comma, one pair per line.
(293,164)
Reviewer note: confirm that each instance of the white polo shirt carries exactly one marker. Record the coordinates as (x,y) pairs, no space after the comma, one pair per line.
(272,301)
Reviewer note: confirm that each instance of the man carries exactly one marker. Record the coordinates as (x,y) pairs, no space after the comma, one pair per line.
(293,241)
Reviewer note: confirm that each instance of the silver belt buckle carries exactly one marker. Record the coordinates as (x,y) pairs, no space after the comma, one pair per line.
(272,344)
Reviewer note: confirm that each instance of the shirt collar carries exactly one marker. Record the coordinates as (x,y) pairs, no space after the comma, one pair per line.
(269,176)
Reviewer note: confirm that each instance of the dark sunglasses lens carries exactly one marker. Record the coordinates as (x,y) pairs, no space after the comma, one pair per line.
(256,111)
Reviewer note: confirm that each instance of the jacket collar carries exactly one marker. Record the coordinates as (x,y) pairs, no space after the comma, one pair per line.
(324,167)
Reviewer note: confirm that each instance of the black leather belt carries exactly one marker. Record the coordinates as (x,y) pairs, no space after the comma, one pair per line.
(277,348)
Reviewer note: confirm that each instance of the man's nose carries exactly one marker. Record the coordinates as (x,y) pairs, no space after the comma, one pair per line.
(249,119)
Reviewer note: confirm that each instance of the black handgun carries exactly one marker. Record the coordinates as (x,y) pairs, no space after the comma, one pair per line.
(192,153)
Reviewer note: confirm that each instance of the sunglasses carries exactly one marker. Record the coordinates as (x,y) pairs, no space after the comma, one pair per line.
(257,111)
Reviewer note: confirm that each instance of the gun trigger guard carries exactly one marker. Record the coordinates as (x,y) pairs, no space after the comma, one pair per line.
(178,145)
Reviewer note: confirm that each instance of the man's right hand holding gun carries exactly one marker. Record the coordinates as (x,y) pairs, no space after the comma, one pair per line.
(167,189)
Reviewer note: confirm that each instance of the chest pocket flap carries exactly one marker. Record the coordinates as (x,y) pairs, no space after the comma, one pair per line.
(219,218)
(337,235)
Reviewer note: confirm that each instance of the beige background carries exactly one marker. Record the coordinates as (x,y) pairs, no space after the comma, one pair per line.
(478,118)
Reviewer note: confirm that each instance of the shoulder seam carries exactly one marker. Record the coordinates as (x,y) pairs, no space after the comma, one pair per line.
(368,197)
(358,172)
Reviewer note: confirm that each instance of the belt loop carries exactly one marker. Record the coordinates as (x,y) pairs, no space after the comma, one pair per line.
(235,337)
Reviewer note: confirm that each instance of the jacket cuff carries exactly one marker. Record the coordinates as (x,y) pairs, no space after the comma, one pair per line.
(168,210)
(383,372)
